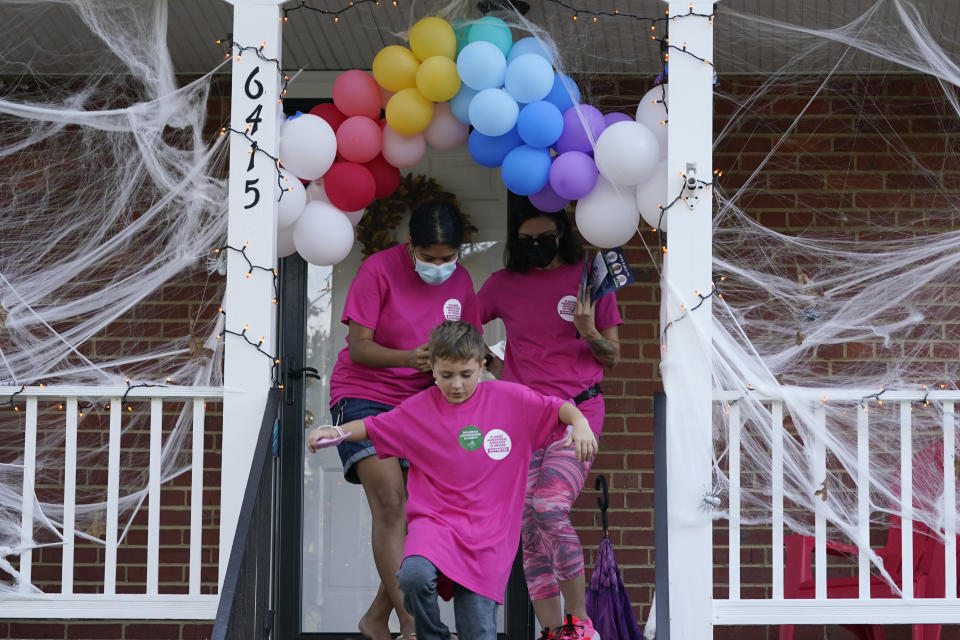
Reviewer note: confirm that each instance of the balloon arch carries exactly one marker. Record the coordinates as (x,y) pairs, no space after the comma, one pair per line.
(506,100)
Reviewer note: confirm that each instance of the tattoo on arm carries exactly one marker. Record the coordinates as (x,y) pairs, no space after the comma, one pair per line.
(605,351)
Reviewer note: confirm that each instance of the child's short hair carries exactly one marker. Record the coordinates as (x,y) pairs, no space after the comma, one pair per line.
(455,340)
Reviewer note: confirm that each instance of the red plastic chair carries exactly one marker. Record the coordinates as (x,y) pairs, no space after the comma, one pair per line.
(929,575)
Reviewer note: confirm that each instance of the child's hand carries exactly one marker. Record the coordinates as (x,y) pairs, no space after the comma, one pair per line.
(583,441)
(324,437)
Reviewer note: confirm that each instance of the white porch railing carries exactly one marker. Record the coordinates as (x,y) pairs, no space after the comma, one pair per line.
(864,609)
(152,603)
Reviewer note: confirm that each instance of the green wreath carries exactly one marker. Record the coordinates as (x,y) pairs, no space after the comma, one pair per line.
(375,228)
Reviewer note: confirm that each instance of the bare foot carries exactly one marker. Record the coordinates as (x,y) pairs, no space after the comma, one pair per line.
(374,629)
(408,629)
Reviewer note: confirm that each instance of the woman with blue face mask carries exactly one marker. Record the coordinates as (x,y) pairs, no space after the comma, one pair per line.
(397,297)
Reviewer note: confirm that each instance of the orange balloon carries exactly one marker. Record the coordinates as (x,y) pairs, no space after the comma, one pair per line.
(395,68)
(408,112)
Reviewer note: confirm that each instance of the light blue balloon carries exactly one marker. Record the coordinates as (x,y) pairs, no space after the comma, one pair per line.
(559,95)
(481,65)
(529,78)
(530,45)
(493,112)
(526,170)
(460,103)
(491,29)
(540,124)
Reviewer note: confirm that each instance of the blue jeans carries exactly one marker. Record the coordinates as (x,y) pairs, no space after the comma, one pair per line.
(476,615)
(348,409)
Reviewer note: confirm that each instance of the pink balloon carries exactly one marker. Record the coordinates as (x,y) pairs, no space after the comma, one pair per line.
(445,132)
(356,93)
(402,151)
(359,139)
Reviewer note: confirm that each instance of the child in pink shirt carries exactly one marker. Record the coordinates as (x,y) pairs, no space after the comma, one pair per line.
(469,446)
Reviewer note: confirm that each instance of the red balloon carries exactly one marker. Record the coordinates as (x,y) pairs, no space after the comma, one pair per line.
(329,112)
(350,186)
(385,175)
(356,93)
(359,139)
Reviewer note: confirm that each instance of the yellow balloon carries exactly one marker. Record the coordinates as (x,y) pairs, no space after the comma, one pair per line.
(408,112)
(395,68)
(437,79)
(433,37)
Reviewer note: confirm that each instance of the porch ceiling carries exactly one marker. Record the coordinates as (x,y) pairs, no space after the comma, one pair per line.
(313,42)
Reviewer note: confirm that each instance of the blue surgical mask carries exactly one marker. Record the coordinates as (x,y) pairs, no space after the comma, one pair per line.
(434,273)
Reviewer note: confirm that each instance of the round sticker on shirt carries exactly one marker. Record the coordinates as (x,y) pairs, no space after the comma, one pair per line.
(470,438)
(566,307)
(497,444)
(452,309)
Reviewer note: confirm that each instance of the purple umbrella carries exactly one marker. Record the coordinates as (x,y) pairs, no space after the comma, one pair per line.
(607,603)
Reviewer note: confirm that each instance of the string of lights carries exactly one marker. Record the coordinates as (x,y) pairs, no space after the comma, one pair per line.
(306,6)
(258,51)
(254,147)
(252,267)
(258,345)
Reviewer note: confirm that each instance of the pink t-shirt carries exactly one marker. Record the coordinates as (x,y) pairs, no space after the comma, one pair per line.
(468,474)
(389,297)
(543,350)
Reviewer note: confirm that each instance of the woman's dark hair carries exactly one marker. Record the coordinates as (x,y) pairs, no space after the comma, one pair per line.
(436,222)
(568,242)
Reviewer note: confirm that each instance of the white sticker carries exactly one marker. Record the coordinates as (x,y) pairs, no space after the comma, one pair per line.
(566,307)
(452,309)
(497,444)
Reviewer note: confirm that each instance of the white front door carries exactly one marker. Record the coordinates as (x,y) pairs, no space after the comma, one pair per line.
(339,577)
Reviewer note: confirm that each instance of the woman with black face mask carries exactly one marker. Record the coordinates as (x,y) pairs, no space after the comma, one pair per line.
(396,299)
(558,343)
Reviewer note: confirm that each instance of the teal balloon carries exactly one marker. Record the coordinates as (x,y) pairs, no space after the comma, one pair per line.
(460,29)
(460,103)
(491,29)
(530,45)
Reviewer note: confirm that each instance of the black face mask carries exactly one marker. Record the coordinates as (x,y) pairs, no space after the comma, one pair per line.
(539,251)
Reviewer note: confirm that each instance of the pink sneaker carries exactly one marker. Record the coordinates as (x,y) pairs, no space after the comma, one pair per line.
(547,634)
(576,629)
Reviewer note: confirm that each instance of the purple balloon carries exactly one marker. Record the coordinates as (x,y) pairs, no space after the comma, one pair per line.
(574,136)
(573,175)
(547,200)
(611,118)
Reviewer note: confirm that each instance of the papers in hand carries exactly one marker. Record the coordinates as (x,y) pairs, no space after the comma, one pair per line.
(606,272)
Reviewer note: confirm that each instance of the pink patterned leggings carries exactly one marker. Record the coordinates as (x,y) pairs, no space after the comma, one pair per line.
(551,547)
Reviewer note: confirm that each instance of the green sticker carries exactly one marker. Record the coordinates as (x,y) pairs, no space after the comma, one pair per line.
(471,438)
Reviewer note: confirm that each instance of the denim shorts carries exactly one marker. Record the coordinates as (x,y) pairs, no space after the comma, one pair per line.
(348,409)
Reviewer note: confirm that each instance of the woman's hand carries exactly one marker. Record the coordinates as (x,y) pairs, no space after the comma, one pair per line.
(317,436)
(584,315)
(419,358)
(582,439)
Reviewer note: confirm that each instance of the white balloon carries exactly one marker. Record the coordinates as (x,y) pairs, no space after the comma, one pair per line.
(308,146)
(354,216)
(652,113)
(626,153)
(655,193)
(285,246)
(315,191)
(445,132)
(323,235)
(607,216)
(402,151)
(292,201)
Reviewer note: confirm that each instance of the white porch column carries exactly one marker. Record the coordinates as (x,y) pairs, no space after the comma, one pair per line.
(249,305)
(686,358)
